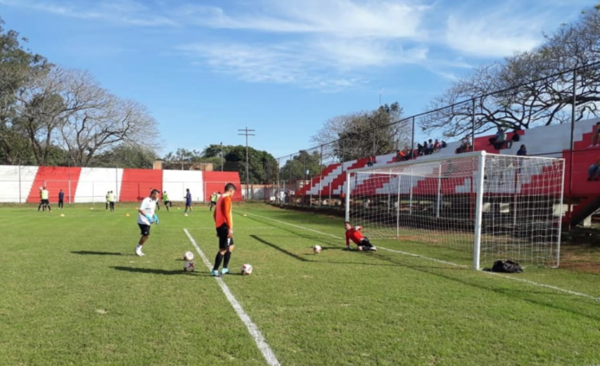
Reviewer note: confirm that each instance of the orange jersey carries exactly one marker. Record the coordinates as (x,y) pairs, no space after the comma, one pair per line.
(223,213)
(355,235)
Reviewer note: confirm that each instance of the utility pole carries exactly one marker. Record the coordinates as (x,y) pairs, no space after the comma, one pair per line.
(247,132)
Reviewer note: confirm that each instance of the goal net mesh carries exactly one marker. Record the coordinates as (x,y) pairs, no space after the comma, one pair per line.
(435,203)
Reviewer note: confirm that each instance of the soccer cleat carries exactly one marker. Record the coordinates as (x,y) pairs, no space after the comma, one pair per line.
(225,271)
(215,273)
(373,249)
(138,252)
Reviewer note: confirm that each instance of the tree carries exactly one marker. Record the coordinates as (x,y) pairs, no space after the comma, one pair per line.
(126,156)
(302,166)
(18,67)
(365,133)
(262,168)
(535,88)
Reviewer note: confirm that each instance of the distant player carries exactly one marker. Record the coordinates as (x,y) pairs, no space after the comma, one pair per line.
(213,200)
(188,201)
(224,223)
(146,217)
(41,200)
(107,200)
(166,202)
(61,199)
(111,201)
(45,200)
(354,234)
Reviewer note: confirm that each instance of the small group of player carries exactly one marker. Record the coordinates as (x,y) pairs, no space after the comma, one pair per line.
(223,217)
(110,201)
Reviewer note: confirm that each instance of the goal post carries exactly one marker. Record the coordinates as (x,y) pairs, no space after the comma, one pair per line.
(490,206)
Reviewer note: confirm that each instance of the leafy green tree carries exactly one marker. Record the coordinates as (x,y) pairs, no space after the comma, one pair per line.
(262,165)
(302,166)
(126,156)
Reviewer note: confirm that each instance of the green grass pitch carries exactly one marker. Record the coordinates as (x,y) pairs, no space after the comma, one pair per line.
(73,293)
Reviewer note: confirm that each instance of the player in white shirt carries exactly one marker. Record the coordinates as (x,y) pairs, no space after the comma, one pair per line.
(146,217)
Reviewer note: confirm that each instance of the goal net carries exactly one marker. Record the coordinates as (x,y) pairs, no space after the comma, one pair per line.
(495,207)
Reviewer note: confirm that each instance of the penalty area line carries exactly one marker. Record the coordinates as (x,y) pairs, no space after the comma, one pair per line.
(259,339)
(522,280)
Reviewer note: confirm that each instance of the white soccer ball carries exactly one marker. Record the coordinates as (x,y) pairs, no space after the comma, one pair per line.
(189,266)
(188,256)
(247,269)
(317,249)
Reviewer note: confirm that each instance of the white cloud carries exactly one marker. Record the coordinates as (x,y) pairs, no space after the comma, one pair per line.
(340,18)
(117,11)
(499,33)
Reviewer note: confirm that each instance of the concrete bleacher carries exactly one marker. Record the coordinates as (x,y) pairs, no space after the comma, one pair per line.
(546,141)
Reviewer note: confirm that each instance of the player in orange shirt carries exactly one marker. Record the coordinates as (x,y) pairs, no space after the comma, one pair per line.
(354,234)
(224,223)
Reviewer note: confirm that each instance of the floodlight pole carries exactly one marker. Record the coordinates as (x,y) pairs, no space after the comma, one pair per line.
(247,132)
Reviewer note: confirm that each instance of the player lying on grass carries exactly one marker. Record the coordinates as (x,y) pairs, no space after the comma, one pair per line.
(146,217)
(354,234)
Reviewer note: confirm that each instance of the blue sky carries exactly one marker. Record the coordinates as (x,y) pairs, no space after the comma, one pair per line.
(208,68)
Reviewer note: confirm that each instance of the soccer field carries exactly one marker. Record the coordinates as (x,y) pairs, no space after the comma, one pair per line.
(73,293)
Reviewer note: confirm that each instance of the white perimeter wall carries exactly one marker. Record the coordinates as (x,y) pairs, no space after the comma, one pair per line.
(9,182)
(94,183)
(175,183)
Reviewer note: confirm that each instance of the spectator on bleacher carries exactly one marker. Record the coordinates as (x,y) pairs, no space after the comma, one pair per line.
(425,147)
(420,150)
(437,146)
(594,171)
(522,151)
(430,147)
(370,162)
(596,135)
(499,139)
(465,145)
(514,138)
(444,144)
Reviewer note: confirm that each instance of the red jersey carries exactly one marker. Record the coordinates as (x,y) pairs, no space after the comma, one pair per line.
(355,235)
(222,213)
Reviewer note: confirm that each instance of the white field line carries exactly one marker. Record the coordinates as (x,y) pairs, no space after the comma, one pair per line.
(558,289)
(259,339)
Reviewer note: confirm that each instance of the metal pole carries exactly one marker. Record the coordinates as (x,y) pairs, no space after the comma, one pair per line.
(398,208)
(473,127)
(572,146)
(411,191)
(321,175)
(347,203)
(439,193)
(247,132)
(412,143)
(20,193)
(479,211)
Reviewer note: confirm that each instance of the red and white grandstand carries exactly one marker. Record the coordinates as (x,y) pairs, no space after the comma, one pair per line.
(549,141)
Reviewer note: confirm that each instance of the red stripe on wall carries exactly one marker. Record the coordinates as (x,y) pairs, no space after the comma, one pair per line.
(54,179)
(215,182)
(137,184)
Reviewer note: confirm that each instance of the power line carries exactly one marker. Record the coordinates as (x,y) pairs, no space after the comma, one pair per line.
(247,132)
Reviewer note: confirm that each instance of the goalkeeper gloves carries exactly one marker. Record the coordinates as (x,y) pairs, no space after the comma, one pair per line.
(149,218)
(156,220)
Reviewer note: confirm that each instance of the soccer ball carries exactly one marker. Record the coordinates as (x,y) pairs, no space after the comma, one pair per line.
(317,249)
(188,266)
(188,256)
(247,269)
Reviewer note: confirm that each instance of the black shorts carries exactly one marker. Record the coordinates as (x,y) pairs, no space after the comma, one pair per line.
(144,229)
(45,202)
(224,241)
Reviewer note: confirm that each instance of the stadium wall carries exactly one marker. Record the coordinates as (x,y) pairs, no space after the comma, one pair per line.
(20,184)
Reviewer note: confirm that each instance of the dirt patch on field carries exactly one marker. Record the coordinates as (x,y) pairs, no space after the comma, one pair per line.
(581,258)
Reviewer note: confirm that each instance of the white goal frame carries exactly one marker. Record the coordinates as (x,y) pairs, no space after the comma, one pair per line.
(484,166)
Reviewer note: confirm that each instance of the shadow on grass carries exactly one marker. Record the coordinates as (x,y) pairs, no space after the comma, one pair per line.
(91,252)
(276,247)
(158,271)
